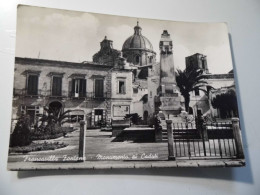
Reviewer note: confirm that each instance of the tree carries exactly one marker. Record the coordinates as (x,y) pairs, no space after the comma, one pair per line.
(134,117)
(54,117)
(21,134)
(189,81)
(226,103)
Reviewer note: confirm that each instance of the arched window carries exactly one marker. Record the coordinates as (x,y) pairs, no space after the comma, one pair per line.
(137,59)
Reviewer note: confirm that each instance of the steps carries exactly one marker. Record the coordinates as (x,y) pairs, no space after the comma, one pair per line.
(180,134)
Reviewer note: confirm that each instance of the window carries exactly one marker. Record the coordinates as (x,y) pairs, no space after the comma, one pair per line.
(135,90)
(150,59)
(56,86)
(197,92)
(32,85)
(121,87)
(78,88)
(137,59)
(99,88)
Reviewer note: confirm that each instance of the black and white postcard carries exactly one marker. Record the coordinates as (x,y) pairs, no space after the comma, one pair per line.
(95,91)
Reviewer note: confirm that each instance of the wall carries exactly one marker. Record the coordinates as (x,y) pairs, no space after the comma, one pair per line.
(201,102)
(118,99)
(127,77)
(86,105)
(46,69)
(137,107)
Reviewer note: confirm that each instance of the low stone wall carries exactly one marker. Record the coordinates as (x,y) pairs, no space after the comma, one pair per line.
(119,125)
(138,135)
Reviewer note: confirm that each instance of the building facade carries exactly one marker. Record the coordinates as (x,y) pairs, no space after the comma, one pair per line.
(87,89)
(200,102)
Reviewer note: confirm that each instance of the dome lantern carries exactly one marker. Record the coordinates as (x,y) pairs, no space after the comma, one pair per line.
(137,29)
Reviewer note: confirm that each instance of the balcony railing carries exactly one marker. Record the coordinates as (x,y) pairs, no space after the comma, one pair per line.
(63,94)
(89,95)
(39,92)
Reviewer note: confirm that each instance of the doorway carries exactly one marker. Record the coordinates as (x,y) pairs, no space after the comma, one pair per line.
(98,117)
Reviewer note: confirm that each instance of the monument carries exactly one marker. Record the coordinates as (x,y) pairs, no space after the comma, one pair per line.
(169,93)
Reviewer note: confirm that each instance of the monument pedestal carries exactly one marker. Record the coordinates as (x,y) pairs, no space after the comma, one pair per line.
(171,105)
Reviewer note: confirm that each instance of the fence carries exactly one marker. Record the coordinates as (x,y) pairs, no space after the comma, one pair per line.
(194,142)
(204,140)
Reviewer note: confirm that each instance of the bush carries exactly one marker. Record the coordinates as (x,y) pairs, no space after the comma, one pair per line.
(37,147)
(226,103)
(21,134)
(45,133)
(135,118)
(155,122)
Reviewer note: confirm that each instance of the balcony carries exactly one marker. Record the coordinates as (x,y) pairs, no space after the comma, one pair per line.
(24,92)
(63,94)
(38,93)
(89,95)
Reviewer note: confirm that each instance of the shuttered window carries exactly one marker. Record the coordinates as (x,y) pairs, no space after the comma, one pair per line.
(32,85)
(56,86)
(99,88)
(79,87)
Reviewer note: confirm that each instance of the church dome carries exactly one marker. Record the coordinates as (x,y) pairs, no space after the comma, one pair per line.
(137,41)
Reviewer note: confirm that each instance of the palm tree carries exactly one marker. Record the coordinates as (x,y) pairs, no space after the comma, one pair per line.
(189,81)
(226,103)
(55,116)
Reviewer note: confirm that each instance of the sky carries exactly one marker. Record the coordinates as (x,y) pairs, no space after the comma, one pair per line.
(72,36)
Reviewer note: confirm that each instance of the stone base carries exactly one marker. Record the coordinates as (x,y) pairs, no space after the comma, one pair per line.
(116,132)
(170,112)
(171,158)
(158,135)
(176,119)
